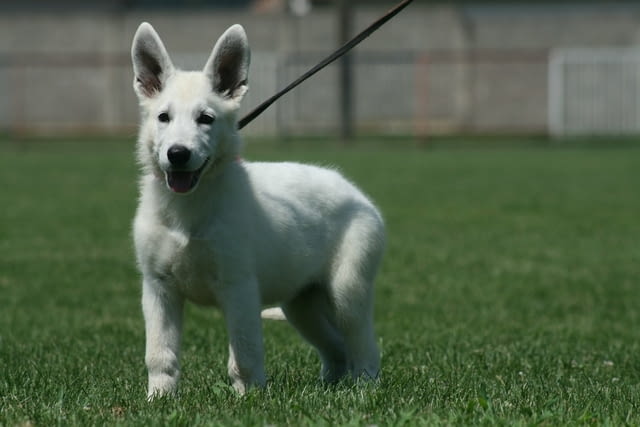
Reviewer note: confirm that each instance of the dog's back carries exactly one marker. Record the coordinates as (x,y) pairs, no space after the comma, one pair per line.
(311,214)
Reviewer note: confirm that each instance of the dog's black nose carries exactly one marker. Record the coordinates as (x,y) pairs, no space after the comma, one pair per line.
(178,155)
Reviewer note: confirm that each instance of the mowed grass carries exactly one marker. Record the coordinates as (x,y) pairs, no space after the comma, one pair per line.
(510,293)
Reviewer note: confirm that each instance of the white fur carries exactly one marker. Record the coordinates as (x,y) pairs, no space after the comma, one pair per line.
(247,234)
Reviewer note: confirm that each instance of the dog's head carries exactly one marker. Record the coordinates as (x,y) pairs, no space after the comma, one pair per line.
(189,118)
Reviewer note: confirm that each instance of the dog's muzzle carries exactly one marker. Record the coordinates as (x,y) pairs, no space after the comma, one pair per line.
(181,181)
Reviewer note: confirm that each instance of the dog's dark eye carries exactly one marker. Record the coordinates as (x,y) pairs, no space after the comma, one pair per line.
(164,117)
(205,119)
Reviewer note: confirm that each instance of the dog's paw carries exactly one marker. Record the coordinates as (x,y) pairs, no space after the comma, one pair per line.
(274,313)
(240,387)
(159,394)
(162,386)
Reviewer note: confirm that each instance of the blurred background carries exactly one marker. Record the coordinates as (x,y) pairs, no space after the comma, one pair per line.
(439,68)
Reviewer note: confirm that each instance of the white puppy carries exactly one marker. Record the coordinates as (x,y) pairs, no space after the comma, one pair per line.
(217,230)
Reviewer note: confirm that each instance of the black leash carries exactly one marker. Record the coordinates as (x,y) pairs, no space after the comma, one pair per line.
(328,60)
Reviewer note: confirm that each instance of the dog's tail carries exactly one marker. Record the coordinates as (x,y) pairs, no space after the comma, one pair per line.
(274,313)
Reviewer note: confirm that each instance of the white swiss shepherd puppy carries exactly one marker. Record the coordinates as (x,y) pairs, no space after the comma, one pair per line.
(217,230)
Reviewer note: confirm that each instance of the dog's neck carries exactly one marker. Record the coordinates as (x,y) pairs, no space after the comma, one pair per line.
(190,213)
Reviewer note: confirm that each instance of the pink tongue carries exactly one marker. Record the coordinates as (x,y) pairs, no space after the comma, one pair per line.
(180,182)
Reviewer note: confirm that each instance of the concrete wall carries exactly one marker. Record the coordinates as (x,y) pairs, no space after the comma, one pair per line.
(430,70)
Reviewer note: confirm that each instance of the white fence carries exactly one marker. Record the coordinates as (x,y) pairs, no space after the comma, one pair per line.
(410,92)
(594,92)
(84,93)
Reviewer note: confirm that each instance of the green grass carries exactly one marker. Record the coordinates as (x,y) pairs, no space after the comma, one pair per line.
(510,293)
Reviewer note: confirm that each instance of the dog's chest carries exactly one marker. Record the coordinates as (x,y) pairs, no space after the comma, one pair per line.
(188,264)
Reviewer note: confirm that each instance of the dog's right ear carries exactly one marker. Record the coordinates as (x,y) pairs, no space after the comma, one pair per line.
(151,63)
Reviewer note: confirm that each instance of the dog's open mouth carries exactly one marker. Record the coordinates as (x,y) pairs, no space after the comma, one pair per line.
(184,181)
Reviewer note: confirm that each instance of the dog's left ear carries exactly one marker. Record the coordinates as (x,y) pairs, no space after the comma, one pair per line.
(228,65)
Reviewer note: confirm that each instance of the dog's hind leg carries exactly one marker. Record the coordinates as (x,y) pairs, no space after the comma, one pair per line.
(355,323)
(309,313)
(351,289)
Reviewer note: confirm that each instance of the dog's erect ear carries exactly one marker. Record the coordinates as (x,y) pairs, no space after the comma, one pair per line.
(228,65)
(151,63)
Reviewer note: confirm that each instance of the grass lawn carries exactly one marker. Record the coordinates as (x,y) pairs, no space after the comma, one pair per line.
(510,293)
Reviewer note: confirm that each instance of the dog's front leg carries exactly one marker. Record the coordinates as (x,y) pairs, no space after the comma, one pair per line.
(163,311)
(241,307)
